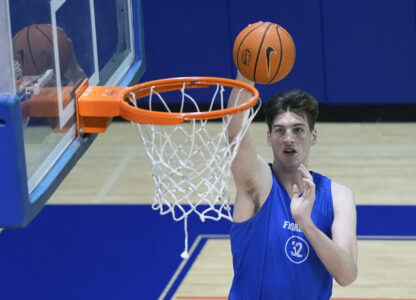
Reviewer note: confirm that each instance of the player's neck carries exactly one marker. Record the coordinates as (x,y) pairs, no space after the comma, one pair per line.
(288,176)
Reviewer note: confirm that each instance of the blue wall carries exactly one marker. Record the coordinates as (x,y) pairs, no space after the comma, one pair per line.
(348,51)
(131,251)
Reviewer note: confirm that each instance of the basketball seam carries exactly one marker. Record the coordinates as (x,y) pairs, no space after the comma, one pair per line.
(44,34)
(47,37)
(258,52)
(281,54)
(243,39)
(30,50)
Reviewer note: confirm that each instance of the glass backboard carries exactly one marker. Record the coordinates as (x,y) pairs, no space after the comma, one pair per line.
(49,47)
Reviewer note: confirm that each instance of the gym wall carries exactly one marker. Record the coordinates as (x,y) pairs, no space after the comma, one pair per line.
(351,52)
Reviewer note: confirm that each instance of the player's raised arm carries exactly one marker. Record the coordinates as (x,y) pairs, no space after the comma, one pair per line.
(264,53)
(237,97)
(251,174)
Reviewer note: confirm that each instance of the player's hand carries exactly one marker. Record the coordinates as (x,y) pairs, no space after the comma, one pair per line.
(241,77)
(302,201)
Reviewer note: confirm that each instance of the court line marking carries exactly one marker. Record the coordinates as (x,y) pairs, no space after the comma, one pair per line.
(185,263)
(114,176)
(180,268)
(225,298)
(200,238)
(387,237)
(199,298)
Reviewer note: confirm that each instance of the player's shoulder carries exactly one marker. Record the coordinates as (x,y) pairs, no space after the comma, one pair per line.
(336,186)
(341,193)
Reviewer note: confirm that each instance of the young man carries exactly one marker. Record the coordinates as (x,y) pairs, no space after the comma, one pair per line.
(293,230)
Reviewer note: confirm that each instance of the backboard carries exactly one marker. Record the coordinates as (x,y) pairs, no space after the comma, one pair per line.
(48,48)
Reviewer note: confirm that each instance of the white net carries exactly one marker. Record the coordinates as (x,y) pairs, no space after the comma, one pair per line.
(191,162)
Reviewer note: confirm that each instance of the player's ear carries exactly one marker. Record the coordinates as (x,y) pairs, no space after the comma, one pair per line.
(314,136)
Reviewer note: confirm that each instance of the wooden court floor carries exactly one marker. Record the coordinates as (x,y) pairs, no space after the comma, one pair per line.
(376,160)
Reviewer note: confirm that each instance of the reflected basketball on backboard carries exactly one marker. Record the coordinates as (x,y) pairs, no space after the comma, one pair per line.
(48,55)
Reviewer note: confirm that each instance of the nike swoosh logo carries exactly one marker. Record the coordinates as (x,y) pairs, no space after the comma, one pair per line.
(269,51)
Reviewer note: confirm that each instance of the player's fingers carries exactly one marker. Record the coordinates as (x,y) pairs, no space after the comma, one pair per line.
(295,191)
(304,171)
(309,184)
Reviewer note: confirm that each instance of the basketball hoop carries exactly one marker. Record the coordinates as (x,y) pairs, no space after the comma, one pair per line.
(187,142)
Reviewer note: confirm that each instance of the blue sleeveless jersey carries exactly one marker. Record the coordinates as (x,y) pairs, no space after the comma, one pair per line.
(272,258)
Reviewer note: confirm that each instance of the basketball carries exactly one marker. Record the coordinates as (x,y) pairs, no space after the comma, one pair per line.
(33,49)
(264,52)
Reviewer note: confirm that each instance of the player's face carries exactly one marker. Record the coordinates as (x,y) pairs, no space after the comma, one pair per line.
(291,139)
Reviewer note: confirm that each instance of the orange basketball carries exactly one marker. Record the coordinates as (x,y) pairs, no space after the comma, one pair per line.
(264,52)
(33,49)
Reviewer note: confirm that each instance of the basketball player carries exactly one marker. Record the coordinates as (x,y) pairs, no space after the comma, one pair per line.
(294,230)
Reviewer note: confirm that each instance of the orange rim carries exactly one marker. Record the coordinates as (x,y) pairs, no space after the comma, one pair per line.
(142,90)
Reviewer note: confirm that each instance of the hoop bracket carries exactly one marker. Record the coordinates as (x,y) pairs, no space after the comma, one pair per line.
(96,106)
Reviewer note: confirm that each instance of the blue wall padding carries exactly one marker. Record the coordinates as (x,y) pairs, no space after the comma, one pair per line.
(186,38)
(348,52)
(370,49)
(386,220)
(95,252)
(125,251)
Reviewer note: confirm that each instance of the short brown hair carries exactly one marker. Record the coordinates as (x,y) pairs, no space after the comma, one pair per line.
(297,101)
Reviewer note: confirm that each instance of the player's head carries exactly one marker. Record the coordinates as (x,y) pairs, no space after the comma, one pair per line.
(291,119)
(296,101)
